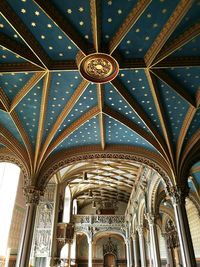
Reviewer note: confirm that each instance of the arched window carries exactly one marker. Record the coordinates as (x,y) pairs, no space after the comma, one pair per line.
(9,178)
(67,205)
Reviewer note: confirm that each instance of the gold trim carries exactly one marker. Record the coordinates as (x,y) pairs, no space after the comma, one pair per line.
(43,109)
(181,40)
(98,68)
(66,110)
(165,77)
(73,127)
(128,23)
(26,89)
(160,111)
(167,30)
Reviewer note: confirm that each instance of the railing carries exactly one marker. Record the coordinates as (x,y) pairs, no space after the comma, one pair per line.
(98,219)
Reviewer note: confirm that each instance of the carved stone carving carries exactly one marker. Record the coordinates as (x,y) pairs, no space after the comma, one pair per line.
(32,195)
(99,68)
(110,247)
(99,223)
(150,218)
(171,234)
(140,230)
(177,194)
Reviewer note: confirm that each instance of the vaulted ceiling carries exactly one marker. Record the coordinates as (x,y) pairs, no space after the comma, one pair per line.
(47,107)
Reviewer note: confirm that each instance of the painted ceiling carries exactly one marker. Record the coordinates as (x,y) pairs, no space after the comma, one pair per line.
(47,107)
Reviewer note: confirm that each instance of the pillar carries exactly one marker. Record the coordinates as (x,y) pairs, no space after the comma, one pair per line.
(142,246)
(128,252)
(32,196)
(178,195)
(135,250)
(150,253)
(169,256)
(154,239)
(90,252)
(54,226)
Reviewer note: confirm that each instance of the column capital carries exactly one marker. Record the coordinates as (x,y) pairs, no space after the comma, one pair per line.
(150,217)
(178,194)
(140,230)
(134,236)
(32,195)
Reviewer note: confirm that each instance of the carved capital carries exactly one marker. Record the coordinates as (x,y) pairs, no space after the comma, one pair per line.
(32,195)
(134,236)
(150,217)
(177,194)
(140,230)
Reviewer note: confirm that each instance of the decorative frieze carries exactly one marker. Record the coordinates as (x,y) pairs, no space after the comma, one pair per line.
(92,224)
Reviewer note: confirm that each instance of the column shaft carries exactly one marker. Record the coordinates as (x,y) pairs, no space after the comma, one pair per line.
(90,253)
(186,246)
(142,247)
(27,236)
(135,251)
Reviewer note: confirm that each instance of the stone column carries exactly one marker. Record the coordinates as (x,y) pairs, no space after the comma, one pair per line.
(150,253)
(178,195)
(169,256)
(90,252)
(154,239)
(135,250)
(54,225)
(142,246)
(32,196)
(128,252)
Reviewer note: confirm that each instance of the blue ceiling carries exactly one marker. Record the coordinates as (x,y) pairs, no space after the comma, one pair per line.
(143,107)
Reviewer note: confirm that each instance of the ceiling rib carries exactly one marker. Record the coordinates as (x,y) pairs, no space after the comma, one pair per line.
(100,93)
(95,13)
(181,40)
(185,126)
(26,89)
(133,63)
(128,23)
(168,29)
(43,110)
(24,136)
(9,140)
(65,65)
(138,110)
(19,67)
(131,125)
(19,49)
(64,24)
(20,28)
(165,77)
(177,62)
(4,100)
(160,111)
(66,110)
(74,126)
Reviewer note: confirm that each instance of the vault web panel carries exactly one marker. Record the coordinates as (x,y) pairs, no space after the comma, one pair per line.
(43,28)
(87,134)
(117,133)
(29,111)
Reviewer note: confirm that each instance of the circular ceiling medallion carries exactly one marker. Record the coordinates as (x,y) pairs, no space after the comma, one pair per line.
(99,68)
